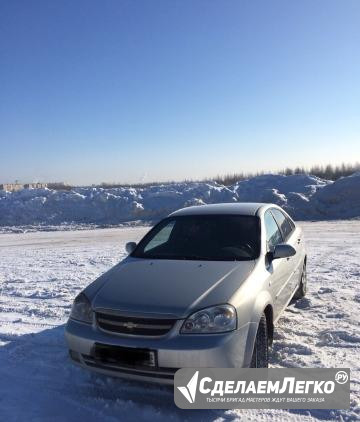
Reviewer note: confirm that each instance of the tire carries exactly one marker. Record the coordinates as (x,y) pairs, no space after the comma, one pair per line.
(260,357)
(301,291)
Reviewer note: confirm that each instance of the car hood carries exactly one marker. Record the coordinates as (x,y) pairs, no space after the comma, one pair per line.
(169,288)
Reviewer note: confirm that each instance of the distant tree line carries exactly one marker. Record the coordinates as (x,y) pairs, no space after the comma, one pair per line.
(328,172)
(59,186)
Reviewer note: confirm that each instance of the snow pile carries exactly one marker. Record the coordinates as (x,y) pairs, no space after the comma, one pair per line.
(105,206)
(260,188)
(303,196)
(291,192)
(341,198)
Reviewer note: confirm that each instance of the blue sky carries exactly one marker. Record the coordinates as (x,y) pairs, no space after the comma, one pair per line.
(133,90)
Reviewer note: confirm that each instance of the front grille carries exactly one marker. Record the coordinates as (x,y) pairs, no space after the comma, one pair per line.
(132,325)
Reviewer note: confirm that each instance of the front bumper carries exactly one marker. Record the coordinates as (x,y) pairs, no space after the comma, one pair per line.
(174,351)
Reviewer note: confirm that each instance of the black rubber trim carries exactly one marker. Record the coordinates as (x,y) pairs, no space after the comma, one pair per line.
(154,373)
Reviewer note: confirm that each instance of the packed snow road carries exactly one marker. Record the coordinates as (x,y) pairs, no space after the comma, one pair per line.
(41,273)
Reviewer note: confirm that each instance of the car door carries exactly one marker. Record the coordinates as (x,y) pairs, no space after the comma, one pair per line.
(293,237)
(278,269)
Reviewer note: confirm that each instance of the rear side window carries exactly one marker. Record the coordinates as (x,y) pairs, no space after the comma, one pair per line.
(273,234)
(284,223)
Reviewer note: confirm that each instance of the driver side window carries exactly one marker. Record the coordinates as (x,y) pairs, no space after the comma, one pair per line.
(273,234)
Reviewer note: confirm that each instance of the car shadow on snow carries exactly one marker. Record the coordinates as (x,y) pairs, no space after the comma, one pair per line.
(38,381)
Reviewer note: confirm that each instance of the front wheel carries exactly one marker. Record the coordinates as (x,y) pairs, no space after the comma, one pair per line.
(260,357)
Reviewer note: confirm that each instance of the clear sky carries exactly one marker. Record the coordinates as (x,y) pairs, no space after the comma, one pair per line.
(133,90)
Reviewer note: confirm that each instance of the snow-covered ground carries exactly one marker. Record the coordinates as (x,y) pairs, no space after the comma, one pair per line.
(304,196)
(40,274)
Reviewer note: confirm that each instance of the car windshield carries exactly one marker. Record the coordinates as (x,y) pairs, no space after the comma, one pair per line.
(203,237)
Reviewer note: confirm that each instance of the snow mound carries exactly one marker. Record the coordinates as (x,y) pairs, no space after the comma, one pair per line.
(258,187)
(341,198)
(105,206)
(303,196)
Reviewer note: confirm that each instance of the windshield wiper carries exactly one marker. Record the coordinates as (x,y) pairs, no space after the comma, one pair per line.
(197,257)
(193,258)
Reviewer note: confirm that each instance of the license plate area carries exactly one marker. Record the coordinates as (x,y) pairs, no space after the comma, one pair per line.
(124,356)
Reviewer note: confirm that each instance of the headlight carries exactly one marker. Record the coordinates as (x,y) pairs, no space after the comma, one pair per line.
(217,319)
(81,309)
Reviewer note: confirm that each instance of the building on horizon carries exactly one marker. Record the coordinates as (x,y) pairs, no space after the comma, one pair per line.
(36,185)
(11,187)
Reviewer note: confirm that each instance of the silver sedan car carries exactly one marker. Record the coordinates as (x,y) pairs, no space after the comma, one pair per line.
(203,288)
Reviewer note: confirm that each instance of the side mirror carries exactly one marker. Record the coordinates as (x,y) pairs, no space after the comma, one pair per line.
(283,250)
(130,247)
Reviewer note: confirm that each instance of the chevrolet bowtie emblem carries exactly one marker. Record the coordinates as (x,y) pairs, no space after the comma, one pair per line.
(130,325)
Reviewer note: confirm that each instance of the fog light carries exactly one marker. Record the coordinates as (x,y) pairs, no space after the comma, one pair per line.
(74,355)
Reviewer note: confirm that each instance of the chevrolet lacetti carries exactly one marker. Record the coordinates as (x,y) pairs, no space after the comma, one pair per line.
(203,288)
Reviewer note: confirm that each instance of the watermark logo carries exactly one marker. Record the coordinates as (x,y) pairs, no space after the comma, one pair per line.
(274,388)
(190,390)
(341,377)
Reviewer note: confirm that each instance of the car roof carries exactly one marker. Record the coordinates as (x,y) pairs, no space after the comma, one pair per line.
(241,208)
